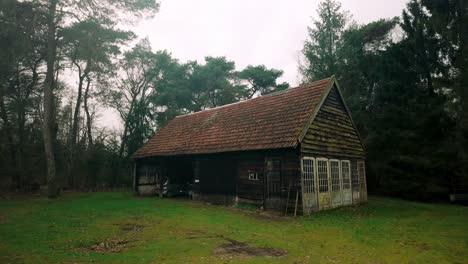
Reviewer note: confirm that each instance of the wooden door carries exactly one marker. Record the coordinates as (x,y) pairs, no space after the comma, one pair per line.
(273,183)
(323,173)
(346,182)
(336,194)
(308,180)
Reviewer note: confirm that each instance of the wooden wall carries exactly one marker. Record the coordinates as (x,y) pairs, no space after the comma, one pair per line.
(254,190)
(251,189)
(332,132)
(228,174)
(291,173)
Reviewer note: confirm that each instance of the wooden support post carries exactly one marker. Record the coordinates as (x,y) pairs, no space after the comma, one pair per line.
(287,200)
(297,199)
(135,180)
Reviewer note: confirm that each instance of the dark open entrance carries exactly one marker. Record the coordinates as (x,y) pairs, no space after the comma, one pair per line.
(218,176)
(179,176)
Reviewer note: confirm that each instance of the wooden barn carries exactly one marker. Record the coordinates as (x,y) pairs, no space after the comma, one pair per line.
(294,150)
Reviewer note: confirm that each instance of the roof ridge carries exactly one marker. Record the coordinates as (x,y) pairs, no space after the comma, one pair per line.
(266,95)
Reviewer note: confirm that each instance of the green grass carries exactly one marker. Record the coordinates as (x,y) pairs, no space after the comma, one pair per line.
(37,230)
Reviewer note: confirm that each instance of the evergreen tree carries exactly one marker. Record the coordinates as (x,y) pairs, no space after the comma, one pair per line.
(321,50)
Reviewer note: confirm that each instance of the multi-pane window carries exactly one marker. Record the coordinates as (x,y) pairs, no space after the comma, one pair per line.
(345,171)
(322,174)
(335,175)
(354,176)
(362,173)
(308,172)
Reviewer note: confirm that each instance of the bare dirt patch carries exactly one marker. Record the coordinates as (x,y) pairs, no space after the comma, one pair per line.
(231,248)
(109,246)
(199,234)
(234,248)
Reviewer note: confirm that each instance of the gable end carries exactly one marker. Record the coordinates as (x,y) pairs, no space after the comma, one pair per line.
(331,131)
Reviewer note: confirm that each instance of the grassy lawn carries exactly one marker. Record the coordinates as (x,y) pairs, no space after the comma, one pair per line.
(120,228)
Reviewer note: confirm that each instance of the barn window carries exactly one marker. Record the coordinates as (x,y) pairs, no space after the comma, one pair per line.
(354,176)
(362,173)
(335,175)
(253,175)
(308,172)
(345,174)
(322,173)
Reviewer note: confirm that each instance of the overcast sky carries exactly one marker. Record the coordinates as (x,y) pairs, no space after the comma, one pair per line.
(253,32)
(269,32)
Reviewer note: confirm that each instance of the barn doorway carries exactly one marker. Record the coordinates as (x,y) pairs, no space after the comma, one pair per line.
(308,179)
(273,183)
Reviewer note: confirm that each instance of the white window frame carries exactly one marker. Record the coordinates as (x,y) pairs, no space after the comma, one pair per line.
(253,175)
(357,177)
(339,174)
(318,177)
(314,189)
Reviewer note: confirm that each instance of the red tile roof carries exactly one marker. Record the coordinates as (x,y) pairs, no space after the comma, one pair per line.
(268,122)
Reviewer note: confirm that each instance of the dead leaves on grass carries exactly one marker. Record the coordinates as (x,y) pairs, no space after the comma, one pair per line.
(116,245)
(129,227)
(228,249)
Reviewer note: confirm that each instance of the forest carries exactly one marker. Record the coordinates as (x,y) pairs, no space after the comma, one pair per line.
(405,80)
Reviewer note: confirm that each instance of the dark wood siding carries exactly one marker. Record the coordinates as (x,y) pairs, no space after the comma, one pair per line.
(292,182)
(251,189)
(332,132)
(227,174)
(254,190)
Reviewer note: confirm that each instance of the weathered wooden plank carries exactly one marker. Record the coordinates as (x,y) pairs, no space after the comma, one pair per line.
(324,146)
(334,134)
(320,123)
(328,128)
(331,148)
(332,141)
(334,123)
(336,118)
(313,134)
(331,153)
(333,110)
(334,104)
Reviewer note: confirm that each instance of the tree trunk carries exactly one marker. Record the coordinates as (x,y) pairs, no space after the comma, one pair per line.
(126,123)
(76,113)
(49,113)
(6,123)
(88,116)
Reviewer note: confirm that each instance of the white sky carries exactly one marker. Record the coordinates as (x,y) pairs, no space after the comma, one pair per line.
(269,32)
